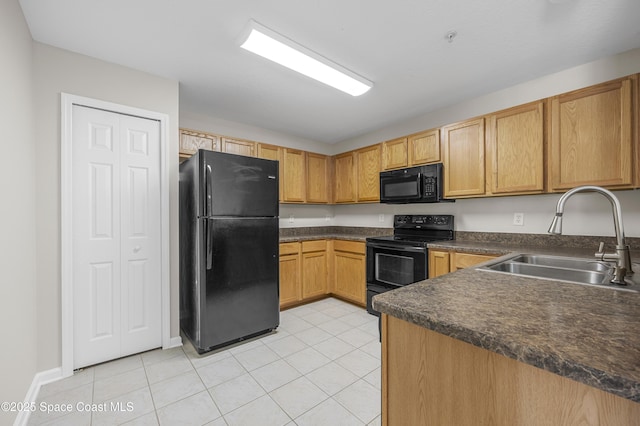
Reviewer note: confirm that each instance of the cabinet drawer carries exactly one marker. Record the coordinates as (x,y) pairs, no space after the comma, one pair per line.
(289,248)
(315,245)
(349,246)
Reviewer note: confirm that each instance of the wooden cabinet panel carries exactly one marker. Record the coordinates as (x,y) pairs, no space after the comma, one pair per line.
(239,147)
(191,141)
(516,140)
(465,260)
(349,274)
(344,178)
(293,175)
(318,178)
(591,136)
(290,274)
(432,379)
(464,161)
(424,147)
(314,268)
(269,152)
(394,154)
(438,263)
(368,166)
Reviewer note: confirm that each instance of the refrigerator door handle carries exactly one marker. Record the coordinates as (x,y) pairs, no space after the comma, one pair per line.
(208,189)
(209,243)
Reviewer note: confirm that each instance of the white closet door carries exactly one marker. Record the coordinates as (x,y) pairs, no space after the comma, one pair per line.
(116,235)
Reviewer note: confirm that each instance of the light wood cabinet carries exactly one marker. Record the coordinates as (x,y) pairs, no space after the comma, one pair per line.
(293,175)
(349,271)
(314,269)
(318,178)
(439,263)
(290,274)
(515,139)
(394,154)
(368,173)
(592,136)
(442,262)
(344,178)
(272,152)
(424,147)
(464,159)
(239,147)
(192,141)
(432,379)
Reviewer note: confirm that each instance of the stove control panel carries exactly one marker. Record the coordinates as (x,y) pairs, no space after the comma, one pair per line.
(426,221)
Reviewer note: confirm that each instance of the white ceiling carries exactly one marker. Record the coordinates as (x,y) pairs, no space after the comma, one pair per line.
(400,45)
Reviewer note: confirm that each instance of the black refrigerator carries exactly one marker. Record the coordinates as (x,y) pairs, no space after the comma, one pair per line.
(228,248)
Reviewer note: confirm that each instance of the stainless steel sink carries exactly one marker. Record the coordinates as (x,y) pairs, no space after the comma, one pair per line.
(564,269)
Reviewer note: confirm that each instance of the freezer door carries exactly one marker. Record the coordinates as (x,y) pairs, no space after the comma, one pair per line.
(235,185)
(241,294)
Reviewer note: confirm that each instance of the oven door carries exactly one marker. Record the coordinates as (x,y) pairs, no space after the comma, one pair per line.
(390,265)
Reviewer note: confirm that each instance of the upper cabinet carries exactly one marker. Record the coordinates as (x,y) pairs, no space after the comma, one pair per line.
(368,173)
(238,146)
(293,175)
(464,158)
(344,178)
(424,147)
(413,150)
(318,178)
(515,141)
(592,136)
(191,141)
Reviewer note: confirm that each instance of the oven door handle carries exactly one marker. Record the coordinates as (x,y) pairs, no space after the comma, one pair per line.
(398,248)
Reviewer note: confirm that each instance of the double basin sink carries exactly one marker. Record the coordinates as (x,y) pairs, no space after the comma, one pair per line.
(564,269)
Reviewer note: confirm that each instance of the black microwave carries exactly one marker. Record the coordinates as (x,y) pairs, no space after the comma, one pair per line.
(420,184)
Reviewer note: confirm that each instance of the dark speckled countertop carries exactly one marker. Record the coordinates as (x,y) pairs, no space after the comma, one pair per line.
(584,333)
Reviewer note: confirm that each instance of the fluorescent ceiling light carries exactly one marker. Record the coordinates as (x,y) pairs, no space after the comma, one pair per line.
(275,47)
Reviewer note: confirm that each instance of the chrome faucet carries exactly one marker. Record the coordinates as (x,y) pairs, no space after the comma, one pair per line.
(622,256)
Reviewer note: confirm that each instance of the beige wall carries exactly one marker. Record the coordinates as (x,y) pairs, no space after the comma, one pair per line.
(57,71)
(17,210)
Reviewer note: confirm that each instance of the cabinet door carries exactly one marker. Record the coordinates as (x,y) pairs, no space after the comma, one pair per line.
(344,178)
(314,271)
(465,260)
(289,274)
(424,147)
(349,279)
(368,166)
(317,178)
(293,175)
(516,141)
(438,263)
(591,136)
(191,141)
(464,161)
(394,154)
(240,147)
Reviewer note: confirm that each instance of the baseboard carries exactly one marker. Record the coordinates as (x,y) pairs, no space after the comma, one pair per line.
(174,342)
(39,380)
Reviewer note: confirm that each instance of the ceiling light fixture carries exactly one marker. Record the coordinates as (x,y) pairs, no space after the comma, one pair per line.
(277,48)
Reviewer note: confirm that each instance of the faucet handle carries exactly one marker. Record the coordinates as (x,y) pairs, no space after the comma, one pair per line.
(600,252)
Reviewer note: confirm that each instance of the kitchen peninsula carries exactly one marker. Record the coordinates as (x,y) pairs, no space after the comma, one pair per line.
(475,347)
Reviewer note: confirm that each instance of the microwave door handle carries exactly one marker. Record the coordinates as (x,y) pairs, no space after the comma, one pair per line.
(420,185)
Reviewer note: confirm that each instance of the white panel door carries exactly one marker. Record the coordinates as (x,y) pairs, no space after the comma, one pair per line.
(116,235)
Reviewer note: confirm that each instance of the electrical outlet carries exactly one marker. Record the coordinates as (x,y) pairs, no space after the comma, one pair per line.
(291,220)
(380,218)
(518,219)
(327,217)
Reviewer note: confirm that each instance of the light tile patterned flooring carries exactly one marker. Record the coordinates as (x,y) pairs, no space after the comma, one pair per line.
(321,367)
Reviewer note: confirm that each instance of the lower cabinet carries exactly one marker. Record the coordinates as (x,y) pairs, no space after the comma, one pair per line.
(349,271)
(313,269)
(443,261)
